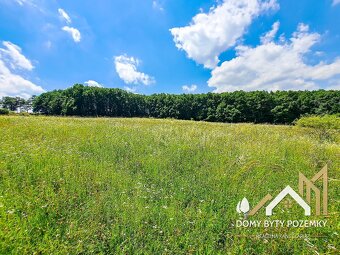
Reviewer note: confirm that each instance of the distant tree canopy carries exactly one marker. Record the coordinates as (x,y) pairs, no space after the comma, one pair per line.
(17,104)
(239,106)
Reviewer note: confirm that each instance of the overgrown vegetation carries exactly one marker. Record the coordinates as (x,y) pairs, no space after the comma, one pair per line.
(325,127)
(240,106)
(146,186)
(4,111)
(320,122)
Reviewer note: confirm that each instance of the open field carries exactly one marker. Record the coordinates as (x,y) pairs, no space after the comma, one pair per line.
(147,186)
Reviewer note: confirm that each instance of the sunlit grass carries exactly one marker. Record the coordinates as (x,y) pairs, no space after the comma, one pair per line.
(145,186)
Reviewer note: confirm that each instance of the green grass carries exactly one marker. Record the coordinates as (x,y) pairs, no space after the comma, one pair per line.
(145,186)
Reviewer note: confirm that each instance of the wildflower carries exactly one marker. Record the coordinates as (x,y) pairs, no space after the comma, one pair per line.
(11,211)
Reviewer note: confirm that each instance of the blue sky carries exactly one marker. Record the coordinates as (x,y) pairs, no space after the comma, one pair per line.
(171,46)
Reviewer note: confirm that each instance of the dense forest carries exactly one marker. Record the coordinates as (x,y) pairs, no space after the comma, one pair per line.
(239,106)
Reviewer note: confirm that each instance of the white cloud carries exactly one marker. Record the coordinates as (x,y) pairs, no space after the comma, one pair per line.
(335,2)
(189,89)
(335,86)
(92,83)
(126,68)
(132,90)
(157,6)
(275,66)
(12,53)
(12,84)
(268,37)
(210,34)
(63,14)
(23,2)
(32,4)
(73,32)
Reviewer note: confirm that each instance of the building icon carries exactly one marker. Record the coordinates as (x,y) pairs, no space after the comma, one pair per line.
(287,191)
(304,185)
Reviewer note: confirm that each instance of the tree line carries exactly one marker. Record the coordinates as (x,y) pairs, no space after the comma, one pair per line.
(17,104)
(279,107)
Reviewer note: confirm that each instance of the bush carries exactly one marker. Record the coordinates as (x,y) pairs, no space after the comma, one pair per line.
(324,127)
(4,111)
(320,122)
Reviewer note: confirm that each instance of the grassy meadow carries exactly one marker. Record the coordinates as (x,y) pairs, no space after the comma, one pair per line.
(149,186)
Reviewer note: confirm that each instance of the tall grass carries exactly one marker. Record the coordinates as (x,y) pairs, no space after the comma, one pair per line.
(144,186)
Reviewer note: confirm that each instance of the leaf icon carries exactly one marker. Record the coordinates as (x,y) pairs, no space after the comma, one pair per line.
(238,207)
(244,205)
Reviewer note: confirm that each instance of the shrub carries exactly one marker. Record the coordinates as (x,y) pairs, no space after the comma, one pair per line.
(320,122)
(4,111)
(324,127)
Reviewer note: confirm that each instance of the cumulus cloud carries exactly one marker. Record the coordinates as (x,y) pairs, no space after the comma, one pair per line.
(335,2)
(92,83)
(268,37)
(73,32)
(210,34)
(12,53)
(275,65)
(11,83)
(189,89)
(63,14)
(126,67)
